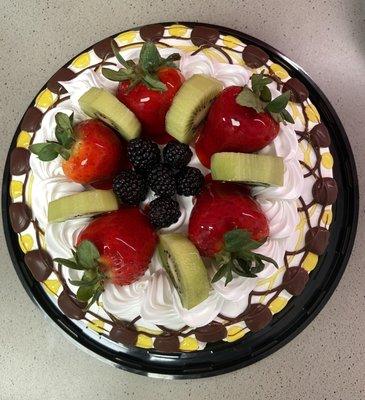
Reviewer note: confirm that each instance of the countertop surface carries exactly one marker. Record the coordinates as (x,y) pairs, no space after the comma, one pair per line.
(327,38)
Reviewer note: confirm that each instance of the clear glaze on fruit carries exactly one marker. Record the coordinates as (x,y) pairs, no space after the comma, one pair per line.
(232,127)
(126,242)
(98,153)
(220,208)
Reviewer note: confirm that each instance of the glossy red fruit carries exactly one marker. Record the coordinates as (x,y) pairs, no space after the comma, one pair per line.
(219,208)
(126,242)
(98,153)
(232,127)
(150,106)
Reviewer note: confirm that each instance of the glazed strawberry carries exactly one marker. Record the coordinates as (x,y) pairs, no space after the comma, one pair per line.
(115,248)
(92,152)
(227,224)
(240,120)
(148,88)
(219,208)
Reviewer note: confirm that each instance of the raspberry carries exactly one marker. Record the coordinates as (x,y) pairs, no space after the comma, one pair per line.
(189,181)
(130,187)
(164,212)
(177,154)
(143,153)
(162,181)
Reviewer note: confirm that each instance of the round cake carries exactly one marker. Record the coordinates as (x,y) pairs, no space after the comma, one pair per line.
(172,187)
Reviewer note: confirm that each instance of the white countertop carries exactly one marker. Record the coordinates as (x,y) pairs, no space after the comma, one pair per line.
(327,360)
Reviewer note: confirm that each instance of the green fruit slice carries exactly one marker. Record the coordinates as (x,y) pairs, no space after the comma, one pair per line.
(254,169)
(101,104)
(82,204)
(185,267)
(190,106)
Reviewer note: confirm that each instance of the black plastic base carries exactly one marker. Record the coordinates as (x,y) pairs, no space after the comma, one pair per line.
(225,357)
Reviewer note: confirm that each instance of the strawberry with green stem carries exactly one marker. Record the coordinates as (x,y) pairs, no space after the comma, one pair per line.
(148,87)
(242,120)
(90,150)
(116,248)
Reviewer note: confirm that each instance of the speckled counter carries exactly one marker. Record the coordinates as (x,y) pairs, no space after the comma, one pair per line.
(327,360)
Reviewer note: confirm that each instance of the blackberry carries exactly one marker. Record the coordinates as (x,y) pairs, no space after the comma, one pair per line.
(162,181)
(177,154)
(189,181)
(143,153)
(130,187)
(163,212)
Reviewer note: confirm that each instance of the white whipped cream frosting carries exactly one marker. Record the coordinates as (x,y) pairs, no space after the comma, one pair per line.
(152,296)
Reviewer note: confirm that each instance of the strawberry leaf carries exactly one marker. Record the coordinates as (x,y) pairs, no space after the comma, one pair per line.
(248,98)
(87,254)
(259,82)
(265,94)
(154,83)
(286,116)
(85,293)
(279,103)
(117,76)
(150,61)
(68,263)
(237,256)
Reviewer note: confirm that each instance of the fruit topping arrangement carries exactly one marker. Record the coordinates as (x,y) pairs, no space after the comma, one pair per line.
(136,150)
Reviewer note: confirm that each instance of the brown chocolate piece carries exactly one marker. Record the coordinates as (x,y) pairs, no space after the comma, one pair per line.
(254,57)
(316,240)
(203,35)
(63,74)
(298,92)
(167,344)
(212,332)
(39,263)
(152,33)
(103,49)
(124,335)
(19,161)
(257,317)
(325,191)
(31,120)
(319,136)
(70,306)
(20,216)
(295,279)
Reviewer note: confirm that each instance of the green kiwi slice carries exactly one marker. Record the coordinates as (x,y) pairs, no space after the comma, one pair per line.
(253,169)
(185,267)
(190,106)
(81,205)
(101,104)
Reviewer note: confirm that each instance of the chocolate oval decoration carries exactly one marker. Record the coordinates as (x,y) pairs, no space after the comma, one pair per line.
(19,161)
(31,120)
(298,92)
(258,316)
(316,240)
(63,74)
(254,57)
(167,344)
(71,307)
(319,136)
(325,191)
(20,216)
(103,49)
(152,33)
(213,332)
(39,263)
(124,335)
(203,35)
(295,279)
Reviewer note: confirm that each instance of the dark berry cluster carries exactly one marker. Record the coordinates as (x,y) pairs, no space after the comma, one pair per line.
(165,178)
